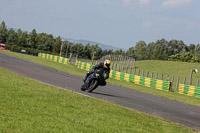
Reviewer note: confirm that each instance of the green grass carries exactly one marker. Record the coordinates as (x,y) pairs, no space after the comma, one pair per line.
(172,68)
(29,106)
(182,69)
(167,68)
(74,70)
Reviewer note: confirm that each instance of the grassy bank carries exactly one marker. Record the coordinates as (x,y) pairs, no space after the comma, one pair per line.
(173,69)
(29,106)
(73,70)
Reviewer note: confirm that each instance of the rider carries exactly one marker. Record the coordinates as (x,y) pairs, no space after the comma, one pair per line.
(104,66)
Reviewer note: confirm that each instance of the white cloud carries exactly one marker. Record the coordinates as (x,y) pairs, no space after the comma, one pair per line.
(144,1)
(175,3)
(126,2)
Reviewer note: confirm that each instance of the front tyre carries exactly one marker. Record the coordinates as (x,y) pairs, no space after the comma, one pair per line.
(92,85)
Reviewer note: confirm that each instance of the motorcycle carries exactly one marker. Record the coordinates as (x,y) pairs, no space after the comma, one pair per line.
(93,81)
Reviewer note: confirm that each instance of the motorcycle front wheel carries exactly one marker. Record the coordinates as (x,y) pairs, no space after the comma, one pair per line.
(92,85)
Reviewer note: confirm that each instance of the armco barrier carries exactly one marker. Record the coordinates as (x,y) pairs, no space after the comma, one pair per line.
(189,90)
(148,82)
(54,58)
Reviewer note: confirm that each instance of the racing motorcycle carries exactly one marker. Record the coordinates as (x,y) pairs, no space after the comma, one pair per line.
(93,81)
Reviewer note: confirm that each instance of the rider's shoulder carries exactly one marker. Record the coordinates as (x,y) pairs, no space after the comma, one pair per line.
(100,64)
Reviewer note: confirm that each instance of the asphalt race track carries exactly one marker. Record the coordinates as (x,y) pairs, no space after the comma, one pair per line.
(176,112)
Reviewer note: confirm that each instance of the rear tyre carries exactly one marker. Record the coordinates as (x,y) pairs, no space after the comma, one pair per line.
(92,85)
(83,87)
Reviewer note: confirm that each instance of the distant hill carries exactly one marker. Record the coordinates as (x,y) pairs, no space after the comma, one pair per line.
(85,42)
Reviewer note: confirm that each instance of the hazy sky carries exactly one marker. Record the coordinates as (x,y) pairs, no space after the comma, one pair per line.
(119,23)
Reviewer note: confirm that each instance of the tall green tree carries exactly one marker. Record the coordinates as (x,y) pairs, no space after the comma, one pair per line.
(197,48)
(22,38)
(32,43)
(191,48)
(97,50)
(160,50)
(175,47)
(141,47)
(57,45)
(87,51)
(12,37)
(150,49)
(3,32)
(119,52)
(131,52)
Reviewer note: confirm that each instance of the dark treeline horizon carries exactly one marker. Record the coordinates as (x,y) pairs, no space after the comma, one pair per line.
(175,50)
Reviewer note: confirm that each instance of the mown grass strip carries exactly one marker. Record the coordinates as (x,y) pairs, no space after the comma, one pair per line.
(29,106)
(79,72)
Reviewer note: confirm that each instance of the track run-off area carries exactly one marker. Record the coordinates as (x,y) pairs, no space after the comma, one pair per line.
(173,111)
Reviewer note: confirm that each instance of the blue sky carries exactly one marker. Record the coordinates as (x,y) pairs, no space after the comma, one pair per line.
(119,23)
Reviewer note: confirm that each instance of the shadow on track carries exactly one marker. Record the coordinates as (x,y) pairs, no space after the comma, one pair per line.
(104,94)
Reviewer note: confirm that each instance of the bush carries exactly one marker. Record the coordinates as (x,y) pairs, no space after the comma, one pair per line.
(185,57)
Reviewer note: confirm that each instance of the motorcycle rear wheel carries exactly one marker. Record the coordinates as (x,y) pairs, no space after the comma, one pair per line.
(83,87)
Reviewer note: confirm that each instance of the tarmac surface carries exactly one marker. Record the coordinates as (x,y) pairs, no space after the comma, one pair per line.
(173,111)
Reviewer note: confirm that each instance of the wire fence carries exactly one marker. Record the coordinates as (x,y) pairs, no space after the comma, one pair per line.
(127,65)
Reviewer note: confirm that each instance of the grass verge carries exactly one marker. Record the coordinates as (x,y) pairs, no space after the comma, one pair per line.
(75,71)
(29,106)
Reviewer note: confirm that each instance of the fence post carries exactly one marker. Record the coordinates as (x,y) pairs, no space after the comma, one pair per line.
(135,71)
(76,57)
(131,70)
(133,62)
(172,83)
(190,81)
(126,69)
(184,80)
(143,73)
(152,75)
(117,66)
(120,68)
(177,84)
(167,78)
(170,86)
(197,83)
(112,66)
(157,76)
(148,74)
(70,57)
(124,60)
(128,62)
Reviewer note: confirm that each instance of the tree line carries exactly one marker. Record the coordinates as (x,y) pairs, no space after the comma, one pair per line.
(175,50)
(162,49)
(47,43)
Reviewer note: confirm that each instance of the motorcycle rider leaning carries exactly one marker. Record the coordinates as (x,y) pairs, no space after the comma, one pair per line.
(106,70)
